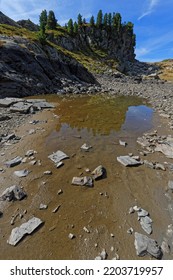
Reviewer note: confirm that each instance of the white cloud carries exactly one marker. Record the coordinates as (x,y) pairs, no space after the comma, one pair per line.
(19,9)
(141,51)
(150,8)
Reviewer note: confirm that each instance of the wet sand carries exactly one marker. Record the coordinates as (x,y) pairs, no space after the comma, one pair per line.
(103,209)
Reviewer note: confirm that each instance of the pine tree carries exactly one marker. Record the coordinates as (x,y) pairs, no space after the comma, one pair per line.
(41,37)
(84,21)
(79,20)
(116,21)
(130,26)
(92,21)
(105,20)
(51,21)
(75,28)
(70,27)
(109,19)
(99,19)
(43,21)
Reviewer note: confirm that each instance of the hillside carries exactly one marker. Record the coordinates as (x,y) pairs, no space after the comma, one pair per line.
(69,58)
(166,69)
(30,66)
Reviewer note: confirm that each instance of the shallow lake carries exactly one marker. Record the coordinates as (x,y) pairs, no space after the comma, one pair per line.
(100,117)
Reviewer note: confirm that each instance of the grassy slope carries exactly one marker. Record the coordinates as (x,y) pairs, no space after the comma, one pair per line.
(166,69)
(95,60)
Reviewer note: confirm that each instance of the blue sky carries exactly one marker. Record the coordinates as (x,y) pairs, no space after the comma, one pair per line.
(153,19)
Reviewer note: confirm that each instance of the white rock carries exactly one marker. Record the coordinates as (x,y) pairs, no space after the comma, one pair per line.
(86,147)
(82,181)
(58,156)
(27,228)
(128,161)
(21,173)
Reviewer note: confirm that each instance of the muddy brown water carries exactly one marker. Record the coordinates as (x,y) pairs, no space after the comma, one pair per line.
(99,121)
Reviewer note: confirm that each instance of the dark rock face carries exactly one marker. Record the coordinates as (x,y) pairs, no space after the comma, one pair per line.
(28,24)
(117,45)
(27,68)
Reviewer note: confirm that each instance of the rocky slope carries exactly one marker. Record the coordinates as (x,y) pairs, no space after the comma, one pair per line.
(28,68)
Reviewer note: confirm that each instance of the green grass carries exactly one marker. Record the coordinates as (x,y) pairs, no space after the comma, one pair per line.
(9,30)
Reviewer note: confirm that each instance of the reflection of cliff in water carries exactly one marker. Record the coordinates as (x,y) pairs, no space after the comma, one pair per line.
(97,114)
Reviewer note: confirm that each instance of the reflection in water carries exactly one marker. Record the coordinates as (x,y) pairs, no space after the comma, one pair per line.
(101,115)
(138,119)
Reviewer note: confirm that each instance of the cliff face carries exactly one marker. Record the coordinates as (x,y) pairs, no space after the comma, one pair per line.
(117,45)
(28,68)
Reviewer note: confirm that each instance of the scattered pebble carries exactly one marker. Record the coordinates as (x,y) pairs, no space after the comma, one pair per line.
(71,236)
(60,192)
(47,172)
(56,209)
(43,206)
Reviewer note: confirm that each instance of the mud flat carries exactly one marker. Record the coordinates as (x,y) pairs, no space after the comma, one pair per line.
(88,221)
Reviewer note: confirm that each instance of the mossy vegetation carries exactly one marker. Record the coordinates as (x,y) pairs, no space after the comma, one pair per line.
(11,31)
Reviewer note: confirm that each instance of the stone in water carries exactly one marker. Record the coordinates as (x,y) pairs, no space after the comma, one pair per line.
(82,181)
(15,161)
(58,156)
(128,161)
(21,173)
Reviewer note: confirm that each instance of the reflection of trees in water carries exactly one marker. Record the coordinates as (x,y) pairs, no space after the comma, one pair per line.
(98,114)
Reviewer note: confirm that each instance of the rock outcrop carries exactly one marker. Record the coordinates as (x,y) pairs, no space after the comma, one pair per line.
(28,24)
(28,68)
(116,45)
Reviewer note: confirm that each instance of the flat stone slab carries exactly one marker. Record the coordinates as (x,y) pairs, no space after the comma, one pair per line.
(13,193)
(128,161)
(7,102)
(27,228)
(58,156)
(42,105)
(21,107)
(13,162)
(82,181)
(33,100)
(145,245)
(21,173)
(165,149)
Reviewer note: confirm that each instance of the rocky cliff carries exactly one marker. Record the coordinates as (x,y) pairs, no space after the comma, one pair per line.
(28,67)
(116,45)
